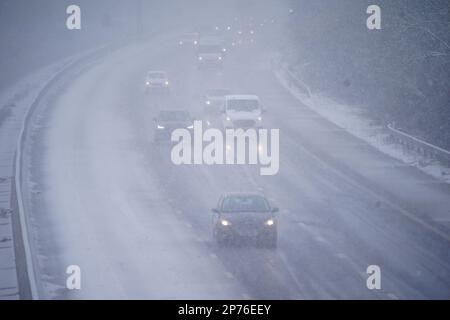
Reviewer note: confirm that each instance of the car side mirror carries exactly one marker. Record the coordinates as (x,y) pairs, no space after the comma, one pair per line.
(275,209)
(215,210)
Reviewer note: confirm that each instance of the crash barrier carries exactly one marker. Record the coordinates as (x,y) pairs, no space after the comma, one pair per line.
(423,148)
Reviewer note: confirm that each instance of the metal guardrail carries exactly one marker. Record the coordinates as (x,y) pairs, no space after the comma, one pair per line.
(412,143)
(421,147)
(298,83)
(293,80)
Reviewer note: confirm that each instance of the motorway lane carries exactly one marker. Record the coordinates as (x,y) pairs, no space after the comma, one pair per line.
(102,207)
(330,228)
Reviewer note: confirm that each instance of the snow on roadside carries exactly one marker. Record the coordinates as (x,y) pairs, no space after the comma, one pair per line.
(354,121)
(15,101)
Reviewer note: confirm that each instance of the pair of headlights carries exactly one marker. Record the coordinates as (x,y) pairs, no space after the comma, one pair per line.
(229,119)
(162,127)
(201,58)
(226,223)
(166,83)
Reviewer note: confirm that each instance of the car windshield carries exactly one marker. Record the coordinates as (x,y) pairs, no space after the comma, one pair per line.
(210,49)
(247,105)
(218,92)
(174,116)
(245,203)
(156,75)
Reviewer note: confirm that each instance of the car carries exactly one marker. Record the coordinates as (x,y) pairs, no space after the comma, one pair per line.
(169,120)
(189,39)
(242,111)
(215,99)
(245,216)
(209,54)
(156,80)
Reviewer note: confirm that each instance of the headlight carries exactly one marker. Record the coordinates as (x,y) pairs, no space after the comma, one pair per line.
(224,49)
(224,222)
(270,222)
(259,118)
(195,42)
(147,83)
(228,118)
(166,83)
(181,42)
(208,102)
(160,127)
(200,58)
(220,58)
(190,127)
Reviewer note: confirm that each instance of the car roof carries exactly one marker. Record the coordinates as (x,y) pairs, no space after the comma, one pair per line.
(242,97)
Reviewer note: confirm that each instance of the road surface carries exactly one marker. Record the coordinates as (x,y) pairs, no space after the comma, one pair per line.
(101,195)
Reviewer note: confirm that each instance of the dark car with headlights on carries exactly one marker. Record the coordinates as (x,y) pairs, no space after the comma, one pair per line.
(242,217)
(169,120)
(215,100)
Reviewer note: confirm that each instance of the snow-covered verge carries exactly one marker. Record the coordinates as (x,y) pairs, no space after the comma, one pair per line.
(14,103)
(355,121)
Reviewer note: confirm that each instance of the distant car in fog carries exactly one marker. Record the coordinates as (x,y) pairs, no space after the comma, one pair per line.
(156,80)
(215,99)
(189,39)
(169,120)
(209,54)
(244,216)
(242,111)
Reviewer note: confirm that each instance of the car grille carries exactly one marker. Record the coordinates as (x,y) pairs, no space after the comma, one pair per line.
(244,123)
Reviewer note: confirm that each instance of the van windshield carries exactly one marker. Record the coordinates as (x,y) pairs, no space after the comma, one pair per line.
(246,105)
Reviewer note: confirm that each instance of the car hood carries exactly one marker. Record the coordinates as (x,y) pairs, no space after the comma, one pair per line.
(156,80)
(247,217)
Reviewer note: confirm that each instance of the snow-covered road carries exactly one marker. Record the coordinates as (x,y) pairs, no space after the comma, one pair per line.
(101,195)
